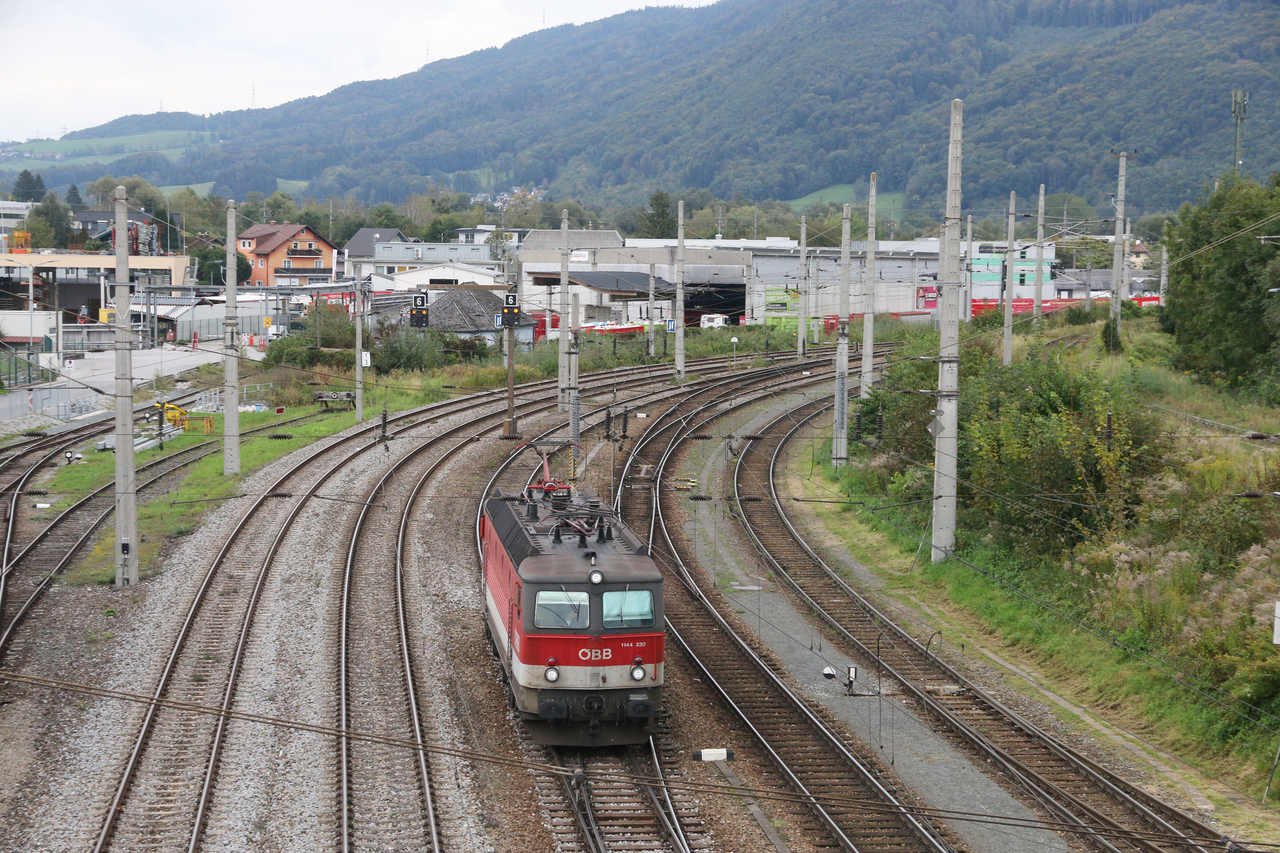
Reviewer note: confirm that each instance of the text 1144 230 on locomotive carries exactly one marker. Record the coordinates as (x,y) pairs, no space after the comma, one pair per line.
(573,606)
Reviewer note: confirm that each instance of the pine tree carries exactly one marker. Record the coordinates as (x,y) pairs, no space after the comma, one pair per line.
(658,220)
(74,201)
(25,188)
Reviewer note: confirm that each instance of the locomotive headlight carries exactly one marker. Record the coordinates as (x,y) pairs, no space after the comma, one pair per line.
(596,576)
(638,673)
(552,674)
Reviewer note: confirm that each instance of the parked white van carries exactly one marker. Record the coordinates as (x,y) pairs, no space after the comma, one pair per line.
(715,321)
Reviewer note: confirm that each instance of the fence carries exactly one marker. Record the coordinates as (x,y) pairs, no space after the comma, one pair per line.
(18,370)
(211,400)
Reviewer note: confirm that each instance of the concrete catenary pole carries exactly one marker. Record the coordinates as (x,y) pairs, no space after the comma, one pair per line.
(802,303)
(359,305)
(946,436)
(1088,288)
(1126,266)
(562,396)
(679,307)
(1117,250)
(652,274)
(126,483)
(1011,253)
(231,357)
(1039,253)
(869,298)
(840,427)
(1164,262)
(575,346)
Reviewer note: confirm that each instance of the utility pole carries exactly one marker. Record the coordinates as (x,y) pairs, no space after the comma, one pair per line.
(575,408)
(1039,254)
(513,287)
(126,474)
(652,349)
(1124,269)
(946,429)
(802,316)
(358,305)
(575,346)
(1010,252)
(1164,262)
(1088,288)
(869,299)
(1117,251)
(231,353)
(679,308)
(840,429)
(562,398)
(1239,107)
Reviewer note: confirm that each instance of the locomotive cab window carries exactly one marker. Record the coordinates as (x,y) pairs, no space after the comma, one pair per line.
(628,609)
(557,608)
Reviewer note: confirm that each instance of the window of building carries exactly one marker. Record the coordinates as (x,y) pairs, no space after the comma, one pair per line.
(246,244)
(288,264)
(262,262)
(555,608)
(295,244)
(319,265)
(311,245)
(258,282)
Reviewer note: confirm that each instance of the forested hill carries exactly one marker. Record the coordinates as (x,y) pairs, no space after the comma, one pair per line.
(777,98)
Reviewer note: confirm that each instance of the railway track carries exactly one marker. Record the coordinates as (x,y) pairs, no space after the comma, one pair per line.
(575,821)
(26,577)
(853,806)
(19,462)
(619,800)
(160,802)
(1113,815)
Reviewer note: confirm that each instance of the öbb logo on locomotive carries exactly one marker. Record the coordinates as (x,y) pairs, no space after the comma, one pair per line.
(573,609)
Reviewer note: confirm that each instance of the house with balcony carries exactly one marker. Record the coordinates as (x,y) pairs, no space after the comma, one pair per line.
(288,255)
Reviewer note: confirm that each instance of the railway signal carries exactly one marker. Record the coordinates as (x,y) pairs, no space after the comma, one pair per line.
(510,310)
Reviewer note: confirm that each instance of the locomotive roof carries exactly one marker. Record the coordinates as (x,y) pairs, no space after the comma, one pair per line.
(525,537)
(562,569)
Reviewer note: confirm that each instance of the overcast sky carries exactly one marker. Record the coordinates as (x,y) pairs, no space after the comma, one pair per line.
(84,63)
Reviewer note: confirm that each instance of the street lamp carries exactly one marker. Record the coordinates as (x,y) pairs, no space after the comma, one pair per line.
(734,341)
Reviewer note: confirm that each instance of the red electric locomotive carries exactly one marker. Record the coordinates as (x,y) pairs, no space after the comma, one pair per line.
(573,607)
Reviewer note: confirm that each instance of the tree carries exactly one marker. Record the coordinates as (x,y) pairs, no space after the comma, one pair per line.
(210,264)
(1217,294)
(57,216)
(74,201)
(28,187)
(659,220)
(42,236)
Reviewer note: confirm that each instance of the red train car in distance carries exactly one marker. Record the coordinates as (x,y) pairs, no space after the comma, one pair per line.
(573,608)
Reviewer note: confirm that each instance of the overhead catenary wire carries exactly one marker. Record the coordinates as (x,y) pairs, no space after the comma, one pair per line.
(772,794)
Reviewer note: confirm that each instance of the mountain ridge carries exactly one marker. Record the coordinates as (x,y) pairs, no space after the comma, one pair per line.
(777,99)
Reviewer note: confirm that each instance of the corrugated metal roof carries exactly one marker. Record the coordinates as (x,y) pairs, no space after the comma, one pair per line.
(544,240)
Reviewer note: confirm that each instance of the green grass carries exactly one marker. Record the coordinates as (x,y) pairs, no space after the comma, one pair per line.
(117,146)
(165,518)
(886,202)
